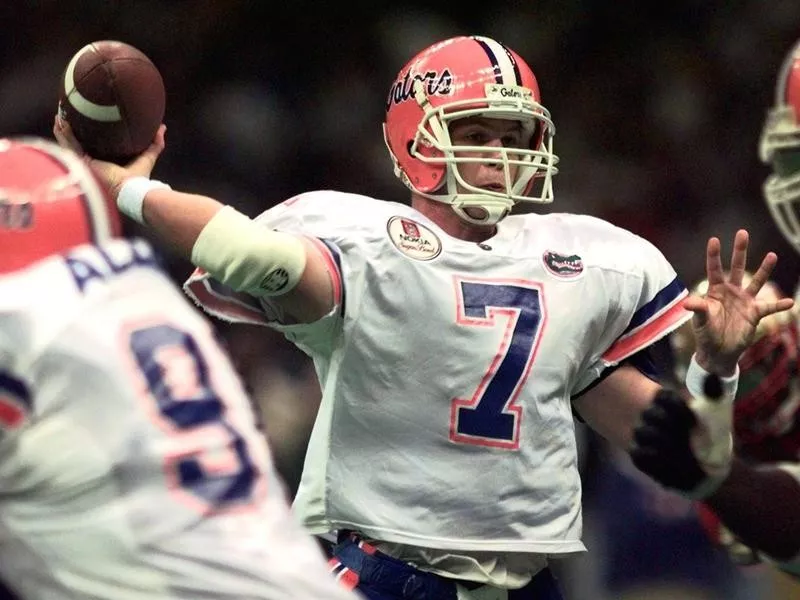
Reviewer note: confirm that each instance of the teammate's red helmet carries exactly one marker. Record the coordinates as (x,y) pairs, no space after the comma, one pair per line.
(780,147)
(50,201)
(457,78)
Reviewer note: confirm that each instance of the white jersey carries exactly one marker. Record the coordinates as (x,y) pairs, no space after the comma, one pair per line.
(130,463)
(448,367)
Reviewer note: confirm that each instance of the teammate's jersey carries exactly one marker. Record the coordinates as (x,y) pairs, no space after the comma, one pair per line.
(447,367)
(130,463)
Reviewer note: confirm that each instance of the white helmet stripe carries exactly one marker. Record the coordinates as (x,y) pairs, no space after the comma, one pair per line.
(505,66)
(83,105)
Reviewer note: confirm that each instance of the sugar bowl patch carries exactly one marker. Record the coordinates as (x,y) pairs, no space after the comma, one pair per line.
(413,239)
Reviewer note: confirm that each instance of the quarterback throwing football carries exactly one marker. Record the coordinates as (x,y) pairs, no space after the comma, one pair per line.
(452,340)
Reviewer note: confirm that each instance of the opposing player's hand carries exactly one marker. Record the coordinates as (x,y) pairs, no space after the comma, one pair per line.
(679,446)
(726,317)
(111,174)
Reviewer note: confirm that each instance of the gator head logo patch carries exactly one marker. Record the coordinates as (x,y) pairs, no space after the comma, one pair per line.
(15,215)
(566,266)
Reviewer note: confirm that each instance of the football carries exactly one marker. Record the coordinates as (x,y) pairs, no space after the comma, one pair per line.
(113,97)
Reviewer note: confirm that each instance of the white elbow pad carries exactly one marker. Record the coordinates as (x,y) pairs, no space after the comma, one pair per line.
(247,257)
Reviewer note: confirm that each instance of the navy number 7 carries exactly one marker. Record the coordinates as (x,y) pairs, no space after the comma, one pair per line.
(178,378)
(490,417)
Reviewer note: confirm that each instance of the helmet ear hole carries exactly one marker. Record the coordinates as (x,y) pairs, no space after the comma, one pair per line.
(536,137)
(409,145)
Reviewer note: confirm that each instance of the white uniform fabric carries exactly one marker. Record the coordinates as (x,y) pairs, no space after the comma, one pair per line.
(130,463)
(448,367)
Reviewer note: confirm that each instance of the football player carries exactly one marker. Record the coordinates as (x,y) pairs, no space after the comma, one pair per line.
(766,417)
(758,503)
(130,464)
(766,420)
(452,341)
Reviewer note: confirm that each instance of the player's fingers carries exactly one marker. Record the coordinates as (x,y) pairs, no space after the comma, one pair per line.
(159,142)
(739,257)
(647,460)
(770,307)
(647,436)
(699,306)
(161,135)
(641,453)
(670,415)
(714,271)
(764,272)
(64,136)
(146,161)
(654,415)
(695,303)
(679,417)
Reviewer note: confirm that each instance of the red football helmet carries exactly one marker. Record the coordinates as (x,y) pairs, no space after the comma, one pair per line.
(767,410)
(457,78)
(50,201)
(780,147)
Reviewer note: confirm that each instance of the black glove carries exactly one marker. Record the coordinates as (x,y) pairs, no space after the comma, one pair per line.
(661,443)
(661,446)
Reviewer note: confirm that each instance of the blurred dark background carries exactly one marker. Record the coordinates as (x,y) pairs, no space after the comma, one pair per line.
(657,105)
(658,108)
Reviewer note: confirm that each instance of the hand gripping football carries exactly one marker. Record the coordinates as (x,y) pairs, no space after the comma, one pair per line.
(113,97)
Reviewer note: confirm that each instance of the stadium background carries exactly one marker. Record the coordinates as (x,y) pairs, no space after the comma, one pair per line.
(657,105)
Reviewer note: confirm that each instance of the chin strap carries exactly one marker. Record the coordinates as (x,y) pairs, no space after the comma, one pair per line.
(494,213)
